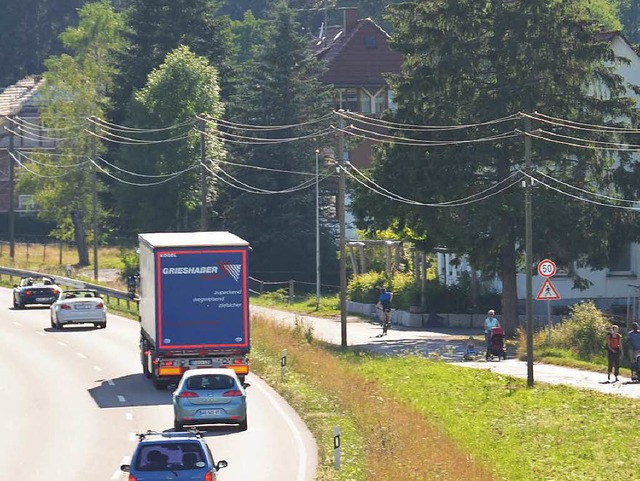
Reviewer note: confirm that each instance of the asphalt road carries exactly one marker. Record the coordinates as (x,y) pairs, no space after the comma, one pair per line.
(449,345)
(71,402)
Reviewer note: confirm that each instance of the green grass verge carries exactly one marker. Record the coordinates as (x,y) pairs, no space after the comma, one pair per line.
(542,433)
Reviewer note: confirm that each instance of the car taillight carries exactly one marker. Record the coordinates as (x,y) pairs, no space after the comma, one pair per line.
(238,361)
(27,293)
(132,477)
(208,476)
(65,306)
(56,292)
(99,305)
(188,394)
(232,393)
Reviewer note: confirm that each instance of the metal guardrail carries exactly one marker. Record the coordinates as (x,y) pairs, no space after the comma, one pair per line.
(107,292)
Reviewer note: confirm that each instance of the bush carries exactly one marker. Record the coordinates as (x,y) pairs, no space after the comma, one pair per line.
(582,333)
(363,287)
(131,262)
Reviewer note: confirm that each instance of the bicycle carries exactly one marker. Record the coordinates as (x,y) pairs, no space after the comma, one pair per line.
(386,319)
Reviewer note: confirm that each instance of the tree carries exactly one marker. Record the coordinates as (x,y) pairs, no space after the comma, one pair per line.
(630,18)
(29,32)
(183,87)
(75,90)
(466,63)
(280,89)
(157,27)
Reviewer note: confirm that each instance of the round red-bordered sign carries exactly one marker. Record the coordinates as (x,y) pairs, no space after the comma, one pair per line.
(546,268)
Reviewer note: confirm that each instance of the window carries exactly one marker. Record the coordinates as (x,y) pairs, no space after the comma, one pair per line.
(365,102)
(26,203)
(380,102)
(350,100)
(370,41)
(620,257)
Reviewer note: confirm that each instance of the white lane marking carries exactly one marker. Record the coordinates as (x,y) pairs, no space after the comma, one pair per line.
(121,399)
(117,474)
(302,459)
(128,417)
(80,355)
(110,382)
(97,368)
(40,333)
(17,324)
(60,343)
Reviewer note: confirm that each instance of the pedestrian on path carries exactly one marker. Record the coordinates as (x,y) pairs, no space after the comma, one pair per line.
(634,341)
(614,353)
(489,323)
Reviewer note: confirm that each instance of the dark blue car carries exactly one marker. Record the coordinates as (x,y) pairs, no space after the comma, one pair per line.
(172,455)
(35,290)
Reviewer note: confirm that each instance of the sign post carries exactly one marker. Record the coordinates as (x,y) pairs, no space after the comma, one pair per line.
(547,292)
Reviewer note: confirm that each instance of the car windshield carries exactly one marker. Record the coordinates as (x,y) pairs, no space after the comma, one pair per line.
(76,294)
(32,281)
(212,381)
(173,456)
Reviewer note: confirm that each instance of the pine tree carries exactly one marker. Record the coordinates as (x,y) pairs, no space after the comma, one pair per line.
(281,88)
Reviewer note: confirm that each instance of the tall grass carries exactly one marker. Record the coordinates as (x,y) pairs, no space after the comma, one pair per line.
(411,418)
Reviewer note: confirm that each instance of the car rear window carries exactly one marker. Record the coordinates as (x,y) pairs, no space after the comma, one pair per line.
(210,381)
(174,456)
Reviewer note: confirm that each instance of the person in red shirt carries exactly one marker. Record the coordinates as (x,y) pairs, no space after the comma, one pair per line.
(614,352)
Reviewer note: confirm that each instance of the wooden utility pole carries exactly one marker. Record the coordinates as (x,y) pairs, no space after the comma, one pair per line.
(95,202)
(529,249)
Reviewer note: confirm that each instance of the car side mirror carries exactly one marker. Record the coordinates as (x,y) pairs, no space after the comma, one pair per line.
(221,464)
(125,467)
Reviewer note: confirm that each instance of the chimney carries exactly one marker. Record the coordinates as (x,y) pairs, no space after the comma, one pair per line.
(350,19)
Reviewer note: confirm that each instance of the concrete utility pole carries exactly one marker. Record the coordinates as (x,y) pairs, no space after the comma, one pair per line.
(203,178)
(95,203)
(317,232)
(343,250)
(12,181)
(529,249)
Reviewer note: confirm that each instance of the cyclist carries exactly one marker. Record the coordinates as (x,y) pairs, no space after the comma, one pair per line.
(384,303)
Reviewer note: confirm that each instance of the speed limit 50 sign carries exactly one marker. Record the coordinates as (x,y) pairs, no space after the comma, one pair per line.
(546,268)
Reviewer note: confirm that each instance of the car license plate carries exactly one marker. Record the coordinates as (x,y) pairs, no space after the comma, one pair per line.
(43,299)
(84,305)
(200,362)
(211,412)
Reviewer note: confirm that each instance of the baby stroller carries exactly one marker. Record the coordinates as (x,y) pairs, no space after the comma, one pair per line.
(496,344)
(635,369)
(470,352)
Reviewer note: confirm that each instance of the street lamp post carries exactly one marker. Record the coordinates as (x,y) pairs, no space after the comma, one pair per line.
(317,233)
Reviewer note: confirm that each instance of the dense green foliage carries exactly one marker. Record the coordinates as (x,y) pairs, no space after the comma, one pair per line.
(267,204)
(469,63)
(75,91)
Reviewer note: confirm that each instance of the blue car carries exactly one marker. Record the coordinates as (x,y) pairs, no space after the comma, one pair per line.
(210,396)
(172,455)
(35,290)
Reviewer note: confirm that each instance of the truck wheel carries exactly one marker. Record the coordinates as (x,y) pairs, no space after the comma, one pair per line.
(159,384)
(243,425)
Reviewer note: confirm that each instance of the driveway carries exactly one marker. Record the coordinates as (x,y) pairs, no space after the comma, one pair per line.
(448,345)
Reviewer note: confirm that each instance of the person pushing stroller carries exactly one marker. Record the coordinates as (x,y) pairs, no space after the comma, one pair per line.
(490,323)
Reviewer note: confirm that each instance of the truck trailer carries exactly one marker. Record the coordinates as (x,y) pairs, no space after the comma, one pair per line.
(194,304)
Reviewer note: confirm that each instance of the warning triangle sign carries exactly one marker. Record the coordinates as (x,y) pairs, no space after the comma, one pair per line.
(547,292)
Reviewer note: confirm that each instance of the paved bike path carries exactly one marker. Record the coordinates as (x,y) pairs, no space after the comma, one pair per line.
(448,345)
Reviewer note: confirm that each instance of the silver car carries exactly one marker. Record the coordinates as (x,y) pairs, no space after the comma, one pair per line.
(210,396)
(79,306)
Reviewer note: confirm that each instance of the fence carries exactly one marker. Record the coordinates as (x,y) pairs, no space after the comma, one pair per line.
(292,289)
